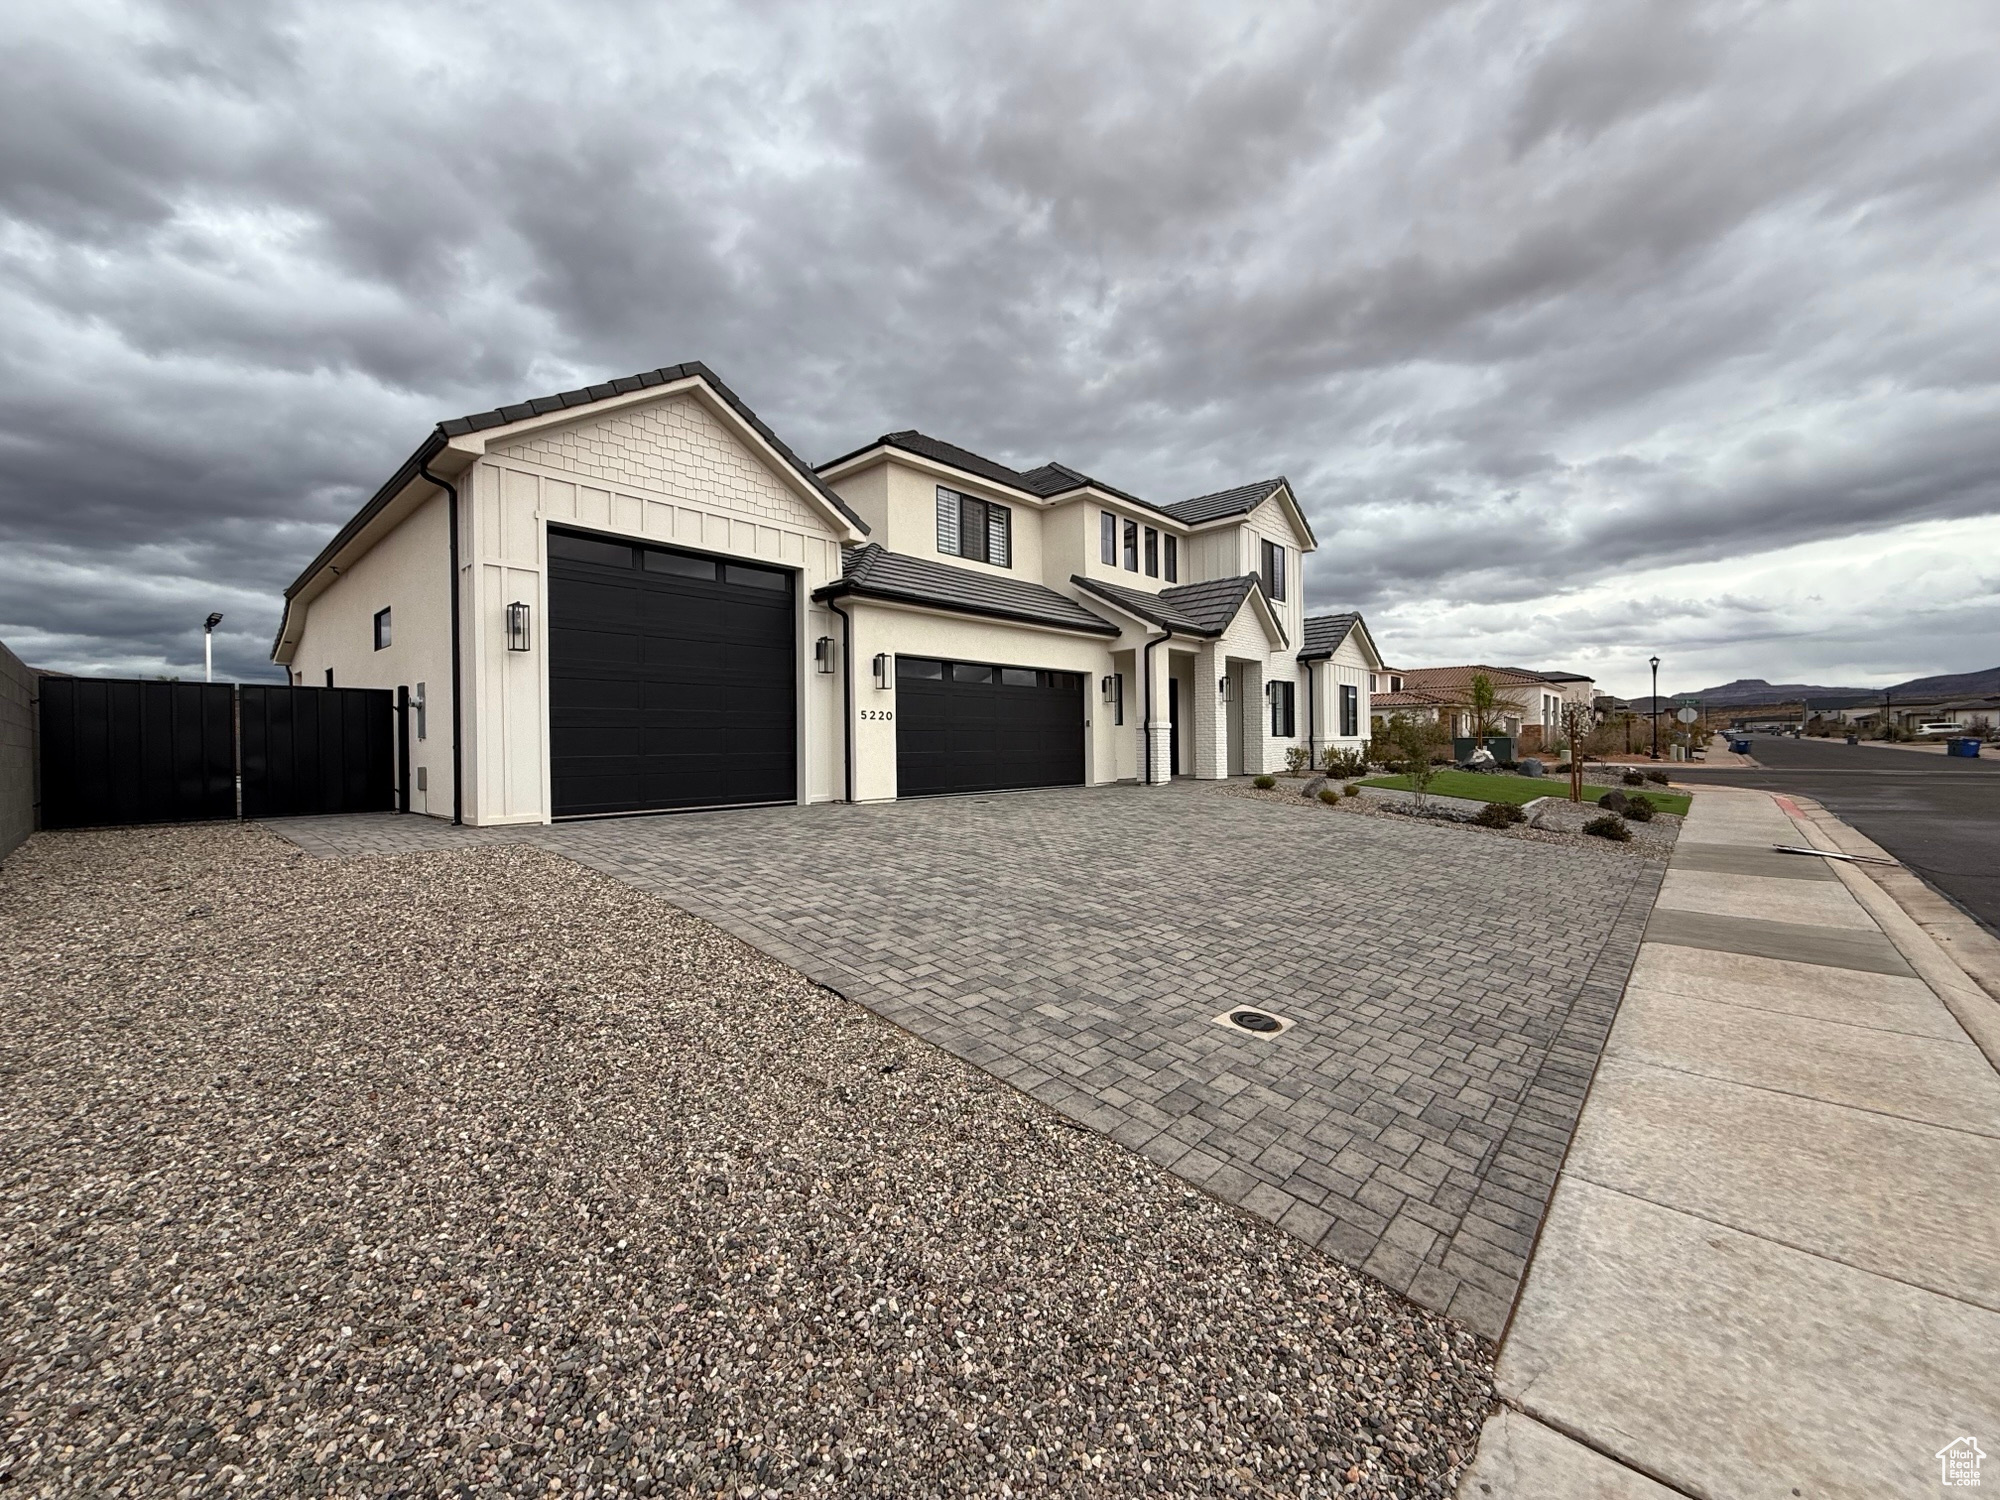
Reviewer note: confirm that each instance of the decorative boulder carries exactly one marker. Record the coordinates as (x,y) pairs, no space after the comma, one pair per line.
(1614,801)
(1312,789)
(1530,767)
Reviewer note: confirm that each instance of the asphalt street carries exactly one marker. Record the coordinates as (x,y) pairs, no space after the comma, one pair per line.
(1938,815)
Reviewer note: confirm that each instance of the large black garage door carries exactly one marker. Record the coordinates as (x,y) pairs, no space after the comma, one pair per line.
(671,679)
(968,727)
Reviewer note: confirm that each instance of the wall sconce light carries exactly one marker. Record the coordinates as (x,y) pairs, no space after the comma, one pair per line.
(882,660)
(1107,688)
(518,634)
(823,654)
(1222,688)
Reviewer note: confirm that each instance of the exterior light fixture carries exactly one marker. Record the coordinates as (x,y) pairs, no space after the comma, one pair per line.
(882,660)
(1222,688)
(518,634)
(208,646)
(823,655)
(1107,688)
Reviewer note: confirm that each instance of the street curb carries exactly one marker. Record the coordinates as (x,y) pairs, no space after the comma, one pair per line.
(1970,1003)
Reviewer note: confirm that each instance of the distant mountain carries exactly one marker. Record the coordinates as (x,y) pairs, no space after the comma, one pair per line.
(1954,685)
(1746,692)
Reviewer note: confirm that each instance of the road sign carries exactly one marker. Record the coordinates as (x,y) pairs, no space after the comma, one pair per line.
(1688,715)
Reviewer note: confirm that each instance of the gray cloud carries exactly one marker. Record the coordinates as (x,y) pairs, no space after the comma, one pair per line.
(1524,298)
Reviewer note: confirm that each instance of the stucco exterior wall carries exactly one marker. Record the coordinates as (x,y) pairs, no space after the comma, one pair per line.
(408,572)
(18,736)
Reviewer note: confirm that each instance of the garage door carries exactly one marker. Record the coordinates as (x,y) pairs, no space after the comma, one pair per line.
(970,727)
(671,679)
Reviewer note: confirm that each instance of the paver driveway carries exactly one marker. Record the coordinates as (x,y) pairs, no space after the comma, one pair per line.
(1450,990)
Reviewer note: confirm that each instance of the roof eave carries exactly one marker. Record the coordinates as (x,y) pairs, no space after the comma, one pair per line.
(852,588)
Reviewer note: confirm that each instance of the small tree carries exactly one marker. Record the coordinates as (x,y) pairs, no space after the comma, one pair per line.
(1486,707)
(1412,741)
(1578,719)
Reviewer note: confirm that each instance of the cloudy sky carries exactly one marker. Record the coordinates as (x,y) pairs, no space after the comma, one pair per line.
(1584,331)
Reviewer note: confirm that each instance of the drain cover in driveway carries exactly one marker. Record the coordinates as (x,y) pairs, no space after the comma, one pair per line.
(1256,1022)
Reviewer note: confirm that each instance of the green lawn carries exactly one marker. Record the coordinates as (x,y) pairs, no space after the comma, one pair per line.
(1519,789)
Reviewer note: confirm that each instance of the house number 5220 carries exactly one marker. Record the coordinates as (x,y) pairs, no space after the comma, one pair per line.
(878,713)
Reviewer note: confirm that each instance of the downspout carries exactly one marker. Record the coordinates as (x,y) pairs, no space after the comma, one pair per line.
(847,697)
(457,717)
(1147,668)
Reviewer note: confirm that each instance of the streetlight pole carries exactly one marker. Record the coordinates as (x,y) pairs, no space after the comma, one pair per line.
(208,646)
(1656,707)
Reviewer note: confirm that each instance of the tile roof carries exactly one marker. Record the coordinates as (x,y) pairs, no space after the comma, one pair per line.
(1239,501)
(1456,679)
(1324,633)
(666,375)
(1412,698)
(1192,608)
(872,571)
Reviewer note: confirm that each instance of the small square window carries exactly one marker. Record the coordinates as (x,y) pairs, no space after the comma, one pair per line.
(381,629)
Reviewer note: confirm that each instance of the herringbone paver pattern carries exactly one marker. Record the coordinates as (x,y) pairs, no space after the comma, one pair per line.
(1450,990)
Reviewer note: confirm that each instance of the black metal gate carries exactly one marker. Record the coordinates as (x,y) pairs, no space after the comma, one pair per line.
(317,750)
(116,751)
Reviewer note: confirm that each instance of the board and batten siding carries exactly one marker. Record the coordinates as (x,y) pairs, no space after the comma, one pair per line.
(671,474)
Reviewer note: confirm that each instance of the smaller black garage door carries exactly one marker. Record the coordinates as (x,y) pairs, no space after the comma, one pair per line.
(971,727)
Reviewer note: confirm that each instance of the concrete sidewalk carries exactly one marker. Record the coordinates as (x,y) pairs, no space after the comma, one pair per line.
(1772,1263)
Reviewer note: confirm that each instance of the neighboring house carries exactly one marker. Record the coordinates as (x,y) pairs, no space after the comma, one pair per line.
(1527,700)
(647,601)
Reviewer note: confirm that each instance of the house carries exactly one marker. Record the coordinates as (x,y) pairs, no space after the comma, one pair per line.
(636,597)
(1529,704)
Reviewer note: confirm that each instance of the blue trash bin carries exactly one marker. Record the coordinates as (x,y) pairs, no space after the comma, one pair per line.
(1964,747)
(1741,747)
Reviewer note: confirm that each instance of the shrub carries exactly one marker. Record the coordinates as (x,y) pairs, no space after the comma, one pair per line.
(1499,815)
(1660,776)
(1634,778)
(1329,796)
(1298,760)
(1342,763)
(1614,801)
(1265,783)
(1350,791)
(1610,826)
(1640,808)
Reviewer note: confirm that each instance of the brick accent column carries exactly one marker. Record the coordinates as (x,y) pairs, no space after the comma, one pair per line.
(1247,700)
(1210,747)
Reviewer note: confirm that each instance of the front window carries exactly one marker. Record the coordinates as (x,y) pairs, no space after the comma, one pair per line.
(978,529)
(1350,710)
(1152,553)
(1274,571)
(1173,560)
(1282,725)
(1107,539)
(381,629)
(1131,546)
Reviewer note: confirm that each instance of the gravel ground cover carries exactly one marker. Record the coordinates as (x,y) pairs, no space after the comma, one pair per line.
(474,1172)
(1560,823)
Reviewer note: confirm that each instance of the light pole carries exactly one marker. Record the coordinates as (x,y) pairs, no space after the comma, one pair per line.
(208,646)
(1656,707)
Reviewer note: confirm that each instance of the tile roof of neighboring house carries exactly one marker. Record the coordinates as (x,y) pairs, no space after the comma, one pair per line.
(872,571)
(1324,633)
(666,375)
(1195,608)
(1411,698)
(1457,679)
(1052,479)
(1239,501)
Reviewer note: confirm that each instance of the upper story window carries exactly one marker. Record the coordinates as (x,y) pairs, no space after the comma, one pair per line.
(1274,571)
(1131,546)
(1107,539)
(1172,563)
(1152,553)
(977,529)
(381,629)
